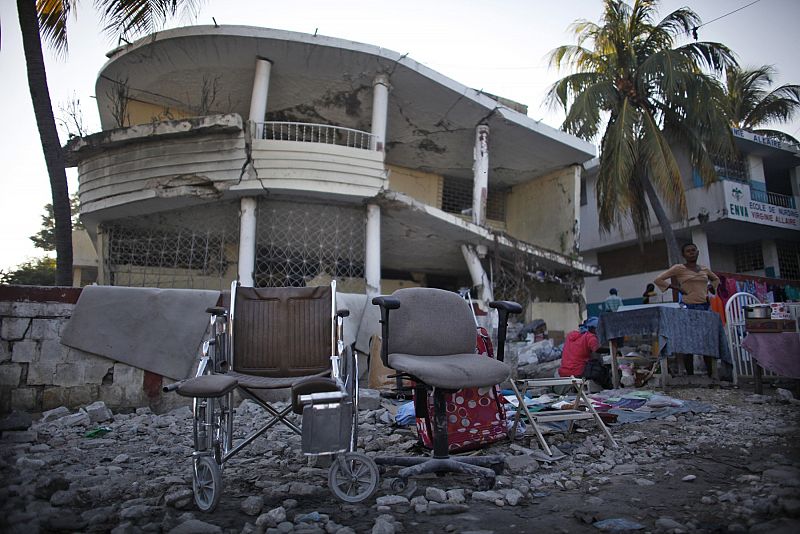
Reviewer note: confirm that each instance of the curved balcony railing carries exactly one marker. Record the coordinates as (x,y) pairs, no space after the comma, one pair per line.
(776,199)
(313,133)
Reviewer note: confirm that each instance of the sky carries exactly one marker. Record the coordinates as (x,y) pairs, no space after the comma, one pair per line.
(499,46)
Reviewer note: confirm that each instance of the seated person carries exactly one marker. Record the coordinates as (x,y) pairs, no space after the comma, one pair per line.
(576,357)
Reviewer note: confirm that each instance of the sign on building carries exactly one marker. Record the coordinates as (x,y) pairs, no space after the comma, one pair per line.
(741,207)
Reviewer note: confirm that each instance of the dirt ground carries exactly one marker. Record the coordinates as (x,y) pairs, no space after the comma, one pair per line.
(735,469)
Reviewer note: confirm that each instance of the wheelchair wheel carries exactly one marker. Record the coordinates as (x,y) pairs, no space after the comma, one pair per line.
(207,483)
(353,477)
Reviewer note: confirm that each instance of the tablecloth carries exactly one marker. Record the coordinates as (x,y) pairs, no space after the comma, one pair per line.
(679,330)
(778,352)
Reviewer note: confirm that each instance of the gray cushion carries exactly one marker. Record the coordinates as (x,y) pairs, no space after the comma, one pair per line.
(432,322)
(207,386)
(455,371)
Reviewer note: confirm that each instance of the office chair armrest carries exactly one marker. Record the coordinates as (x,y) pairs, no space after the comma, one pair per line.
(343,313)
(388,303)
(506,306)
(216,310)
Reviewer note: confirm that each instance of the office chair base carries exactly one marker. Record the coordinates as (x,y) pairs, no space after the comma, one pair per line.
(483,467)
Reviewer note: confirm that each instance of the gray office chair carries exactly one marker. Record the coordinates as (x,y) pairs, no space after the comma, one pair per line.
(430,337)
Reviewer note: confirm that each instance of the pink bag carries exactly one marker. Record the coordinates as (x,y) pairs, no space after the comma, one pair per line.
(475,416)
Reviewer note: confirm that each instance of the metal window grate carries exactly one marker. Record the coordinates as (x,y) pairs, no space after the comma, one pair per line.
(731,168)
(194,248)
(457,198)
(748,257)
(788,259)
(296,243)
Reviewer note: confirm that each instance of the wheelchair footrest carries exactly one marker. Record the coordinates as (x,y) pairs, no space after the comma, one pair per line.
(207,386)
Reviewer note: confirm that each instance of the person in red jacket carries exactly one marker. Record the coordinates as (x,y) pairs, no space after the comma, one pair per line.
(576,356)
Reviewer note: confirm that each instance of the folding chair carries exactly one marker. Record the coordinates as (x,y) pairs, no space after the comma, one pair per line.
(571,415)
(273,339)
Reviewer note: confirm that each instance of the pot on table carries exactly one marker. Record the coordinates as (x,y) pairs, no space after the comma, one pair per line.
(758,311)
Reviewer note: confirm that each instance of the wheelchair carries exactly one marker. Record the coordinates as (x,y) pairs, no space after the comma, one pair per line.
(278,338)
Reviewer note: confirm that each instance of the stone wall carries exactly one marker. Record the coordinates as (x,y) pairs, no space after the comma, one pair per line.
(38,373)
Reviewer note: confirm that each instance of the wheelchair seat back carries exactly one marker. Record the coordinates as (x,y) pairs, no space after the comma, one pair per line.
(282,332)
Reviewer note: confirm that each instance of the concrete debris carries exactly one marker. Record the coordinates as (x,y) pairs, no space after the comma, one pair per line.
(740,463)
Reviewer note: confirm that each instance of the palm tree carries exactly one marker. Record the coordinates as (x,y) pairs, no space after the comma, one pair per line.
(752,104)
(651,96)
(50,16)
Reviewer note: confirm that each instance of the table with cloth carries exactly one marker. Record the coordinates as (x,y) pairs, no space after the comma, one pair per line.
(678,331)
(778,352)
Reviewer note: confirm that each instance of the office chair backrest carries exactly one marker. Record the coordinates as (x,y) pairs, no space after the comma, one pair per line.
(283,331)
(431,322)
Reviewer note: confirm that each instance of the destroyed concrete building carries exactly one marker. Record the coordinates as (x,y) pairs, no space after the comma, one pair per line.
(282,158)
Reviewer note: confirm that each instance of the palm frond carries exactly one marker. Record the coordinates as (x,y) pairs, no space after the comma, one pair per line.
(53,16)
(617,162)
(660,164)
(778,106)
(708,55)
(132,17)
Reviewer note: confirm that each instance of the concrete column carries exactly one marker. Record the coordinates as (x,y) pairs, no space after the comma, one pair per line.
(478,275)
(102,257)
(769,251)
(380,109)
(756,172)
(480,171)
(258,98)
(700,239)
(76,276)
(247,241)
(372,259)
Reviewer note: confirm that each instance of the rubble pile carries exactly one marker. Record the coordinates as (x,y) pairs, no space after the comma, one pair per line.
(735,469)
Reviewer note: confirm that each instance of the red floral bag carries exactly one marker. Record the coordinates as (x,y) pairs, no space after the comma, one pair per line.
(475,416)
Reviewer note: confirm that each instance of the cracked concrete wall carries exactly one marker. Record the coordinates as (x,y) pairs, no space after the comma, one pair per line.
(544,211)
(38,373)
(202,166)
(423,186)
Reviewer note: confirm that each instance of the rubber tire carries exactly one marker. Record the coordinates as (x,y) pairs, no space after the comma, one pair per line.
(357,482)
(206,483)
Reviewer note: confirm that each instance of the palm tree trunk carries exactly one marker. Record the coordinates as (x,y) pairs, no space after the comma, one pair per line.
(673,251)
(53,156)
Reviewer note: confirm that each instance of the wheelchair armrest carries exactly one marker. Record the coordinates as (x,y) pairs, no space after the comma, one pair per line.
(343,313)
(506,305)
(389,303)
(216,310)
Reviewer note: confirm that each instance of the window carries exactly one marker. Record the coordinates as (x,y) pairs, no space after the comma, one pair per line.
(457,198)
(749,257)
(584,199)
(633,260)
(731,169)
(789,259)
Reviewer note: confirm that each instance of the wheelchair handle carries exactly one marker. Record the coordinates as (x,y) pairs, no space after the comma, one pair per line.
(172,387)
